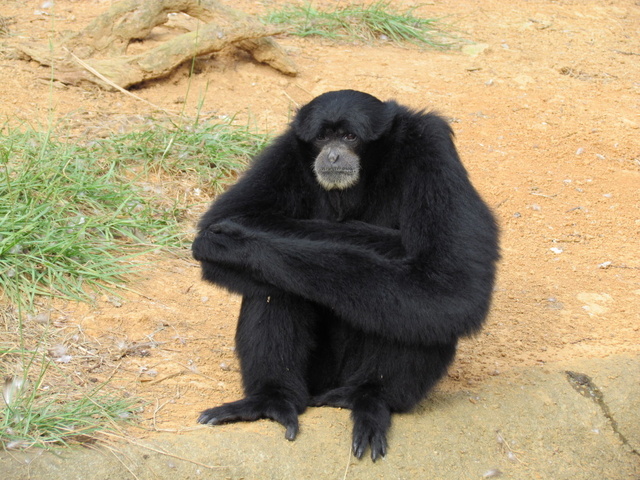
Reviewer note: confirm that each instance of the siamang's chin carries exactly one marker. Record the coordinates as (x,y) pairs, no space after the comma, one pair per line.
(337,179)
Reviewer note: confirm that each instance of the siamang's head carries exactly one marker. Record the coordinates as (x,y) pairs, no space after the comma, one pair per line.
(338,125)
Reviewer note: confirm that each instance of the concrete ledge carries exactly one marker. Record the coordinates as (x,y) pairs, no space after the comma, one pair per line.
(529,424)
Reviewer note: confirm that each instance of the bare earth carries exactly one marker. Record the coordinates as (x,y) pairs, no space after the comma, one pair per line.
(546,110)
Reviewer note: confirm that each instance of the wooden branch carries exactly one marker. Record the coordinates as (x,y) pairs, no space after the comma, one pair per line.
(162,60)
(127,20)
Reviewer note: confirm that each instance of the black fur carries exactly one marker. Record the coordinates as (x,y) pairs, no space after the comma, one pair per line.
(356,297)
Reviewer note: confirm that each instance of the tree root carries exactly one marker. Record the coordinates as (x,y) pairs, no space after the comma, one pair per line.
(111,33)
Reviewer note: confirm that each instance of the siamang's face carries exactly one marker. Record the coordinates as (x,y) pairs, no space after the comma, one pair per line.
(337,165)
(340,125)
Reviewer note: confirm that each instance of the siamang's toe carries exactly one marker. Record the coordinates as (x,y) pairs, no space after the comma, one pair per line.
(375,439)
(292,430)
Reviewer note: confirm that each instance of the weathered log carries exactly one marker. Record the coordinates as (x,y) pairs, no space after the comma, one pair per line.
(127,20)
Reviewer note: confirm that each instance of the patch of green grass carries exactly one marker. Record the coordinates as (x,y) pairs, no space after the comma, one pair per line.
(38,415)
(213,152)
(360,22)
(68,220)
(73,214)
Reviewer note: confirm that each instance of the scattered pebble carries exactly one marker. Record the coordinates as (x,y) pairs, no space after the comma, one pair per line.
(18,445)
(115,301)
(11,389)
(493,473)
(58,351)
(475,49)
(42,318)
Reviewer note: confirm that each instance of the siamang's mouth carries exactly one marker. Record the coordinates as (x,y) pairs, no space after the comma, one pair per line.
(337,178)
(338,171)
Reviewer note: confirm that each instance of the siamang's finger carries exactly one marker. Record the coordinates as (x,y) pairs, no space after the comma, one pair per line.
(205,247)
(228,227)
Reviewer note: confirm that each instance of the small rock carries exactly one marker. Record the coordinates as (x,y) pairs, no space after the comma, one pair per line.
(475,49)
(524,80)
(493,473)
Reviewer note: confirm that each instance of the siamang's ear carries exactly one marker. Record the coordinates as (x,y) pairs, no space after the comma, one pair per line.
(307,123)
(381,122)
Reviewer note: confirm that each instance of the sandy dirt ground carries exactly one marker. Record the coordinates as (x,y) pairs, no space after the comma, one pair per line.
(546,111)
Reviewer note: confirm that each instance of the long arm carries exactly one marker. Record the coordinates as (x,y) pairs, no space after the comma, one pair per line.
(381,241)
(377,294)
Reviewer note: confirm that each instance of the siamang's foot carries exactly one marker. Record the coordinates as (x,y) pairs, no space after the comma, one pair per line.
(371,416)
(253,408)
(369,432)
(371,420)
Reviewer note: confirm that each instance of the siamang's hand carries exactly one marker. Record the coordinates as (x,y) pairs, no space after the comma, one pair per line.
(226,242)
(228,231)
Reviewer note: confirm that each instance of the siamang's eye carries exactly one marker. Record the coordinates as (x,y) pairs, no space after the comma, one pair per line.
(350,137)
(321,137)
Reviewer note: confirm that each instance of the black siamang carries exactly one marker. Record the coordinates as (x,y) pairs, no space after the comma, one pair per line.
(362,253)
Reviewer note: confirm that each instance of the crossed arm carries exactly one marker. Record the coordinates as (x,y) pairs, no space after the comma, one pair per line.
(358,270)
